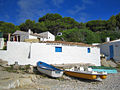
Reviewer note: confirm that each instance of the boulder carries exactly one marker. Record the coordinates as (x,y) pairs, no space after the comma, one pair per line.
(25,81)
(108,63)
(111,63)
(3,63)
(30,70)
(104,62)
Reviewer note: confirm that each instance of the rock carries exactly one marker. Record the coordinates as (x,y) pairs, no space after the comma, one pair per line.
(30,70)
(33,77)
(13,80)
(25,81)
(108,63)
(8,84)
(16,67)
(3,63)
(16,82)
(104,62)
(111,63)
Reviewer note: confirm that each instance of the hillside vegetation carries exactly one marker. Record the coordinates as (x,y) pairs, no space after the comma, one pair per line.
(94,31)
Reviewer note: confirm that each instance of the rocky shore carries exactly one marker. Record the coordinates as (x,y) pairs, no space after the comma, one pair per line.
(17,80)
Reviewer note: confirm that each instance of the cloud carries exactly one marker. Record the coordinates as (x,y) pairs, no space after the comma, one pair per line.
(57,2)
(76,9)
(79,10)
(83,17)
(30,9)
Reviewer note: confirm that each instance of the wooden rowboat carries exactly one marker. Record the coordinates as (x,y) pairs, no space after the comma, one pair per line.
(86,74)
(49,70)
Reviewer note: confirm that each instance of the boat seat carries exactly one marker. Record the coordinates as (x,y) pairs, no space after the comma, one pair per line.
(81,69)
(89,69)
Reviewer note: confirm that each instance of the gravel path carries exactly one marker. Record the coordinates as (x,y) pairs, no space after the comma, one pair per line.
(111,83)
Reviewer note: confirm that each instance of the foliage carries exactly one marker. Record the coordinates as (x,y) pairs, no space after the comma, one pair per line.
(5,48)
(40,27)
(94,31)
(118,21)
(7,27)
(97,25)
(50,17)
(27,25)
(55,23)
(80,35)
(111,23)
(112,34)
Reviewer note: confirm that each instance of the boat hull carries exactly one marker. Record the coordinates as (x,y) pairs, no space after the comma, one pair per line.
(80,75)
(51,73)
(85,75)
(103,76)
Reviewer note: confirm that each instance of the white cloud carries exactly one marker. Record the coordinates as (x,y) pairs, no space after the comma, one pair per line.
(57,2)
(83,16)
(78,10)
(30,9)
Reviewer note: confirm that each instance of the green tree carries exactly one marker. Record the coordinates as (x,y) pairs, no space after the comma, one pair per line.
(7,27)
(118,20)
(112,34)
(27,25)
(40,27)
(97,25)
(55,23)
(80,35)
(50,17)
(111,23)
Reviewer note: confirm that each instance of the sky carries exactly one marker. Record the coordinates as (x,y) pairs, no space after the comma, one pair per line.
(17,11)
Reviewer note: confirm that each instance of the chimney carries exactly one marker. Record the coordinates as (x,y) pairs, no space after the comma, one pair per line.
(9,37)
(30,32)
(108,39)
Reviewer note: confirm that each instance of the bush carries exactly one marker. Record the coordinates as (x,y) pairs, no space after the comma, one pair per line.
(5,48)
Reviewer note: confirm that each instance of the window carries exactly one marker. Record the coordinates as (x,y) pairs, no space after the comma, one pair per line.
(58,49)
(88,50)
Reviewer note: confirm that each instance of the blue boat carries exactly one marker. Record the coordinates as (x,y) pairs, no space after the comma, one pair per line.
(49,70)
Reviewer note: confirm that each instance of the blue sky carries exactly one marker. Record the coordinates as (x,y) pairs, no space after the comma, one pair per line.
(17,11)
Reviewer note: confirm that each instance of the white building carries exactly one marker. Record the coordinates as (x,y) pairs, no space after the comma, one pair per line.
(1,43)
(111,49)
(21,36)
(51,52)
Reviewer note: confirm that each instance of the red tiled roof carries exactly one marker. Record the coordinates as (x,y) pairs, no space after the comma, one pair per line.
(70,43)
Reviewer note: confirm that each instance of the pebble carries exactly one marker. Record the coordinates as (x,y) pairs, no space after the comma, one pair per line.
(111,83)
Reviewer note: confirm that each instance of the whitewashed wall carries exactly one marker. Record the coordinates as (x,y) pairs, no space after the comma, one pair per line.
(51,37)
(30,53)
(1,43)
(23,37)
(69,54)
(104,49)
(32,37)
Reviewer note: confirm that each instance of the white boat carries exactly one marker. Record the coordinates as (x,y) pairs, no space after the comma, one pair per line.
(49,70)
(89,74)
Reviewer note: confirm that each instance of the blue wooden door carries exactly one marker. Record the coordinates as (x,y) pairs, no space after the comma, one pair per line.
(111,51)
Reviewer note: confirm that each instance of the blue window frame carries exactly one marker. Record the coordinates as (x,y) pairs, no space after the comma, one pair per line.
(88,50)
(58,49)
